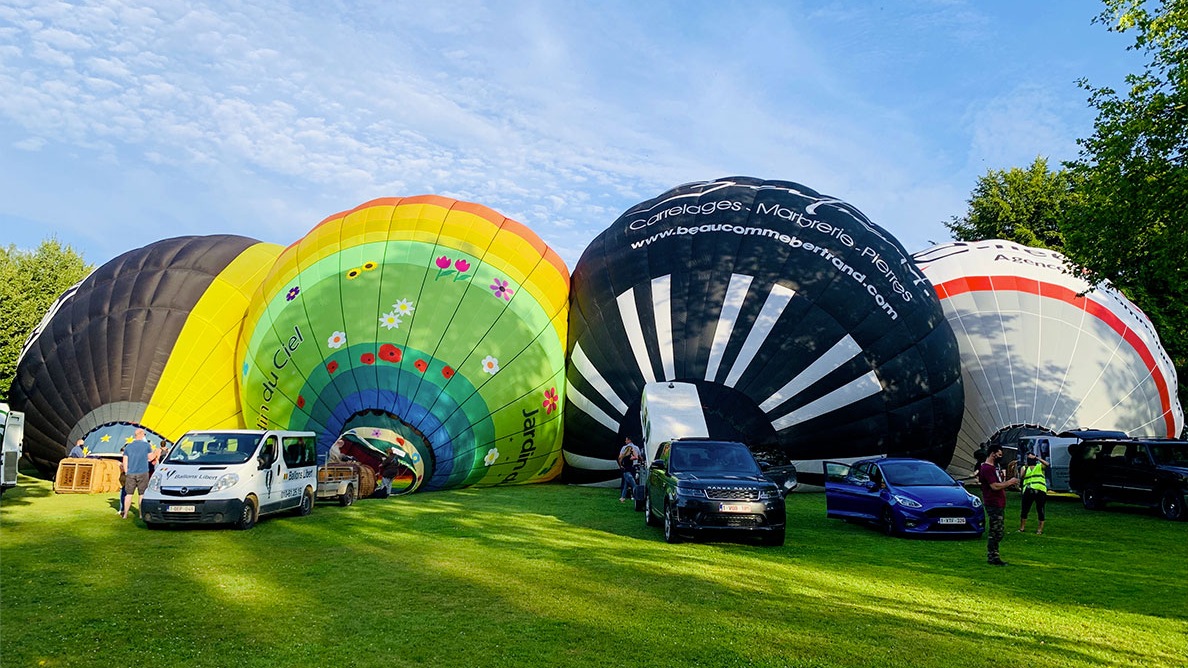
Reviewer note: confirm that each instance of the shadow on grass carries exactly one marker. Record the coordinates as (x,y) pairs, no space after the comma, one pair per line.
(550,575)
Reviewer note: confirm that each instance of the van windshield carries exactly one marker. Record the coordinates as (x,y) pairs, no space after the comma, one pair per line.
(214,448)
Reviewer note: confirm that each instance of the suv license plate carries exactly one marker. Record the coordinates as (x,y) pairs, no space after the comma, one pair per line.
(951,520)
(733,508)
(179,509)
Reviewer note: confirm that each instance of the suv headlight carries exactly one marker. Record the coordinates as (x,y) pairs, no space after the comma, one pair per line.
(768,494)
(906,502)
(227,481)
(695,493)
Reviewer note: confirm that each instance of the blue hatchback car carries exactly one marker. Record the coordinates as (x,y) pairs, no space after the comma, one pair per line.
(902,496)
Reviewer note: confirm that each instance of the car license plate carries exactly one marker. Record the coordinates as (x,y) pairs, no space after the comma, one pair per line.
(951,520)
(179,509)
(733,508)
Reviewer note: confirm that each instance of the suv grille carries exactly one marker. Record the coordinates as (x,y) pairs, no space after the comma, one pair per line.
(732,494)
(731,520)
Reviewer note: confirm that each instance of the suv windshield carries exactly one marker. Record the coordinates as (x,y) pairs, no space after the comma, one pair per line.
(1170,454)
(712,457)
(214,448)
(919,474)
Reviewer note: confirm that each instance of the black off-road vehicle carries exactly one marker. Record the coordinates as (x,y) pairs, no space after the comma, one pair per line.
(697,485)
(1149,472)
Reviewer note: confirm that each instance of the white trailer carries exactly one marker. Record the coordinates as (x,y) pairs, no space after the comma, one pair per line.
(12,435)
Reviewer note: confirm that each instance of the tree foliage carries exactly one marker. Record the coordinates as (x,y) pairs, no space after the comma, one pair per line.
(30,281)
(1131,227)
(1021,205)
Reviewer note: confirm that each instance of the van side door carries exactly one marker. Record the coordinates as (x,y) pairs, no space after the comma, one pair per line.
(268,461)
(299,457)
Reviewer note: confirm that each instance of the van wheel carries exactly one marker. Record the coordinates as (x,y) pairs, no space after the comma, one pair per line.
(247,517)
(307,501)
(348,497)
(1091,499)
(1171,504)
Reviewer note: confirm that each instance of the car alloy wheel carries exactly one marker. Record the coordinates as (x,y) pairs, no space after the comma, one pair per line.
(649,516)
(888,521)
(670,532)
(1172,505)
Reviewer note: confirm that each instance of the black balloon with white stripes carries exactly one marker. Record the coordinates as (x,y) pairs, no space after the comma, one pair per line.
(805,329)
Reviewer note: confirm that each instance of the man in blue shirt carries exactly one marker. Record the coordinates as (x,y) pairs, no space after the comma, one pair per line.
(77,450)
(136,469)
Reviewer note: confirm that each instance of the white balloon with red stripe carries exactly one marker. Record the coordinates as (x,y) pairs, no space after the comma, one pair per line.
(1041,347)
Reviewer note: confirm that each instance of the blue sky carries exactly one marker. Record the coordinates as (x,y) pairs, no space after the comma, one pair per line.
(122,123)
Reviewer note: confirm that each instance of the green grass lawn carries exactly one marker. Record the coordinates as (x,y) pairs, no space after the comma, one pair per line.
(551,575)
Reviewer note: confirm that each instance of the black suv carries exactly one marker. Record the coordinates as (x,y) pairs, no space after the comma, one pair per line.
(700,484)
(1150,472)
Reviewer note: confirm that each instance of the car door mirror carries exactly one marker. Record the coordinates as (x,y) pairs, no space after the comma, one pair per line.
(659,465)
(871,485)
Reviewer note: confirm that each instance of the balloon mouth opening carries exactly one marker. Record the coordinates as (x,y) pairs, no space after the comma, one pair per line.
(109,439)
(396,450)
(1012,433)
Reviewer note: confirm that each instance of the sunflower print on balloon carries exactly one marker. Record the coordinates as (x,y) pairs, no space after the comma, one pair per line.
(440,322)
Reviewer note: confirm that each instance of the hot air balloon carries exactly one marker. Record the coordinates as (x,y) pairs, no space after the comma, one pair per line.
(148,339)
(1040,352)
(805,328)
(423,323)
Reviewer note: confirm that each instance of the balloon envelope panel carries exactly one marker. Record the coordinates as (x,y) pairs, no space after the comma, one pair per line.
(806,327)
(1039,349)
(147,339)
(439,320)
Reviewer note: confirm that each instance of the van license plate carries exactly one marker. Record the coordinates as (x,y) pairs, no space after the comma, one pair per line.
(733,508)
(951,520)
(180,509)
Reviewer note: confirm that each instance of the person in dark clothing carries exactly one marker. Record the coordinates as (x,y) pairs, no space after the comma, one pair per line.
(628,456)
(994,501)
(389,469)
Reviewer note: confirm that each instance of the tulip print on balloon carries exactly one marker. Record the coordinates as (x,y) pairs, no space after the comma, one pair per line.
(440,322)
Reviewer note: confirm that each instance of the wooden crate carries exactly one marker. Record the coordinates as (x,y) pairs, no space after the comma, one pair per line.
(87,476)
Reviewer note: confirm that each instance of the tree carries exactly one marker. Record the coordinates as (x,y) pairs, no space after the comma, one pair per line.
(1131,227)
(1021,205)
(30,281)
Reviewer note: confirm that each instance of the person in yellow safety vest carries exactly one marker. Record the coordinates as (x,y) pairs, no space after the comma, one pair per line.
(1035,490)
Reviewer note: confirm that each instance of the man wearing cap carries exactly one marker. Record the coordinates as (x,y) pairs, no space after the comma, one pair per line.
(994,501)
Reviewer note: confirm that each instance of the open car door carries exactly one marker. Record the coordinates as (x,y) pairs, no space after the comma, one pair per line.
(843,489)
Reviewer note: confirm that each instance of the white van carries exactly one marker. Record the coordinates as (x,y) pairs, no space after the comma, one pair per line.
(12,434)
(668,411)
(233,477)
